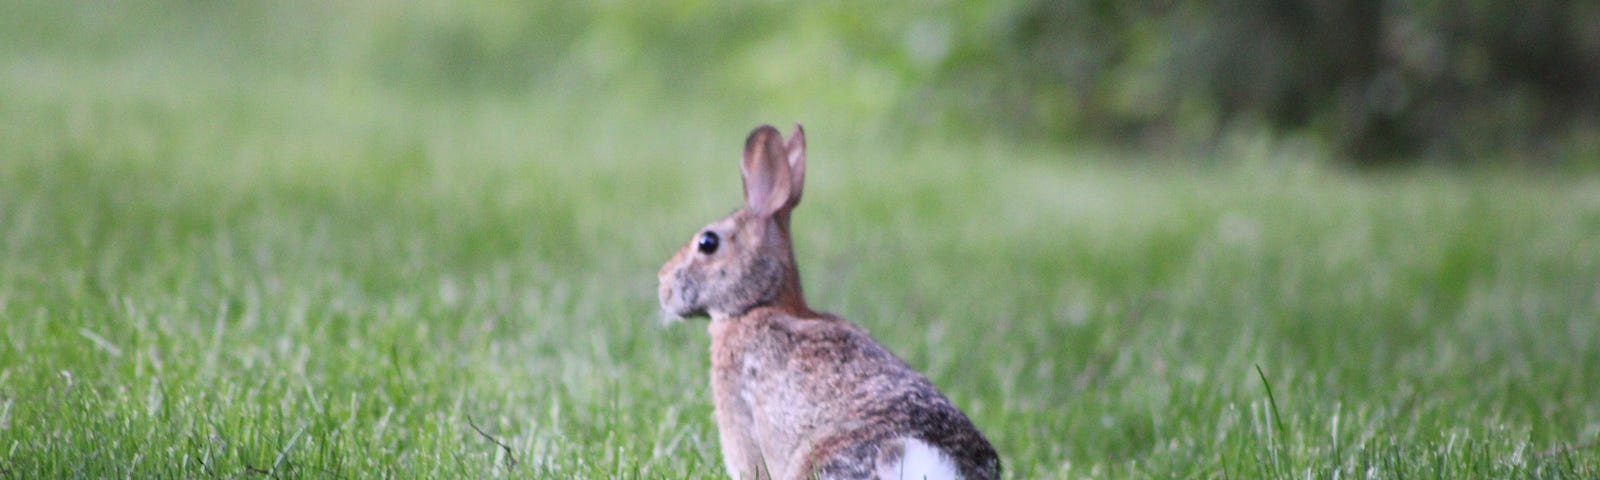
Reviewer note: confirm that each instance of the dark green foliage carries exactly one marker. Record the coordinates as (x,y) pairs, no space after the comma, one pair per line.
(1365,81)
(1376,81)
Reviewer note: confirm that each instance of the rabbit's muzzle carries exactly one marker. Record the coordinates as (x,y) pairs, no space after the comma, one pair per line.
(679,292)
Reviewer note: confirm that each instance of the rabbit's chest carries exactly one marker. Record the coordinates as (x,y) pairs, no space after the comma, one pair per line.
(764,369)
(752,358)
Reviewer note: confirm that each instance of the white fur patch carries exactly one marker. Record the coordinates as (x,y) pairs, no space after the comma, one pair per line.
(669,318)
(920,462)
(727,462)
(751,366)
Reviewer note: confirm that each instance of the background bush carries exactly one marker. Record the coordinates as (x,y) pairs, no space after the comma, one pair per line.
(1364,81)
(1374,81)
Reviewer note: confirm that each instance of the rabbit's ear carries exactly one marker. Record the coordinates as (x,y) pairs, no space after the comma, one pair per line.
(767,183)
(795,147)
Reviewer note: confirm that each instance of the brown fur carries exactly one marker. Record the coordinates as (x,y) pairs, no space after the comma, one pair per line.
(800,393)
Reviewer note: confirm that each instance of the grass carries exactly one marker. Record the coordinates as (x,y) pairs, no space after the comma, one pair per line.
(224,260)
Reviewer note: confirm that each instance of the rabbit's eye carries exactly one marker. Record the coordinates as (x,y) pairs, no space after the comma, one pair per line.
(707,243)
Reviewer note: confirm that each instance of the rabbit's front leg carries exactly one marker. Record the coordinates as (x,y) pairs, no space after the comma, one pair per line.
(736,428)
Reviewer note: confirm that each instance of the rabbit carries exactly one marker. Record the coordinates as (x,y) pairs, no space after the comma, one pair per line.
(800,393)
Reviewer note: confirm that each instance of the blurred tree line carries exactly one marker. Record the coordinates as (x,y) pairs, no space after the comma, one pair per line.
(1375,81)
(1371,82)
(1368,81)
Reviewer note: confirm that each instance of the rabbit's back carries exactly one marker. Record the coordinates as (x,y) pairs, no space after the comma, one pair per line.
(831,398)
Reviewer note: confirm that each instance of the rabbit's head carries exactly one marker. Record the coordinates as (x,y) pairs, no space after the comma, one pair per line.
(745,260)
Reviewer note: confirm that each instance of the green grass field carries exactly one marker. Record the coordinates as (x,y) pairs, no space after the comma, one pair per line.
(241,243)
